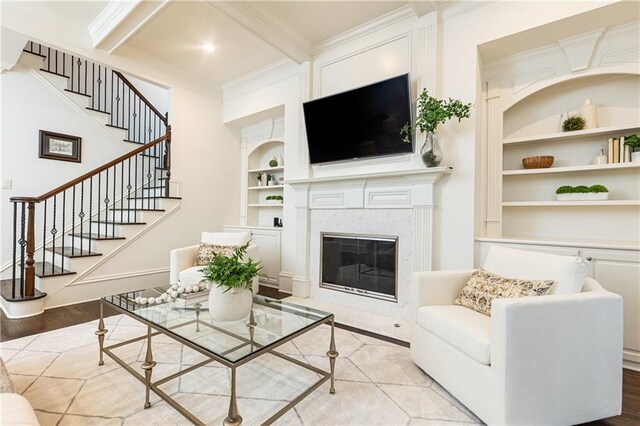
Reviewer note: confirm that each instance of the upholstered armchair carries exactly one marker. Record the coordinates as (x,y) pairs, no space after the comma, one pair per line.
(182,269)
(552,359)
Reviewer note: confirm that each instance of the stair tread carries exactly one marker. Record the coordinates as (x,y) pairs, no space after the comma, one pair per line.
(6,289)
(119,223)
(72,252)
(137,209)
(152,198)
(46,269)
(54,73)
(97,110)
(94,236)
(34,53)
(116,127)
(77,93)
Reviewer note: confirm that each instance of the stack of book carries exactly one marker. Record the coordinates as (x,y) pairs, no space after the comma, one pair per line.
(618,152)
(188,300)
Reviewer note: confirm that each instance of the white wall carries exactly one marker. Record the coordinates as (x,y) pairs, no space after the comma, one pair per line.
(205,153)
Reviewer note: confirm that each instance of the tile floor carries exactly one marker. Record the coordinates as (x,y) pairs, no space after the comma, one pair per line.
(377,384)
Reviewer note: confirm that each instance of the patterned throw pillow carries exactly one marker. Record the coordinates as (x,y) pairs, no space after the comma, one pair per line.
(206,252)
(483,287)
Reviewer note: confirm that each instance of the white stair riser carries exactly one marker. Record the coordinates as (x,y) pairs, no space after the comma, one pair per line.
(58,81)
(150,203)
(106,228)
(129,216)
(86,243)
(155,192)
(98,116)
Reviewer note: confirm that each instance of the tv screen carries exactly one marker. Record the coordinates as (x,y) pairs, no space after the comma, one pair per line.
(359,123)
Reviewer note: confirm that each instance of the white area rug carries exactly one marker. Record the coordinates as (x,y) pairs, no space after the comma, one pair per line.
(377,384)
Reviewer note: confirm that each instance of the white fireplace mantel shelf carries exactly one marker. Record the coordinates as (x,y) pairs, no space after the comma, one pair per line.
(434,172)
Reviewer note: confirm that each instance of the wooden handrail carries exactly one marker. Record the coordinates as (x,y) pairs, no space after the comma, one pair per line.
(163,118)
(90,174)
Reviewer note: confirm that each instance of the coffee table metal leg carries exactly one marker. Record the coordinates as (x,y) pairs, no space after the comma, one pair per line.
(147,366)
(233,418)
(332,354)
(100,333)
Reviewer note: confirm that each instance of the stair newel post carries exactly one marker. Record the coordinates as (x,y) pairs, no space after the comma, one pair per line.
(167,160)
(29,271)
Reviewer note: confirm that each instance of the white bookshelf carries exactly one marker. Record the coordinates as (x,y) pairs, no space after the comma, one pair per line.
(259,212)
(579,134)
(570,169)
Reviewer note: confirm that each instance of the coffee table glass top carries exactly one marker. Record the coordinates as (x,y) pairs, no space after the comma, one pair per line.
(274,321)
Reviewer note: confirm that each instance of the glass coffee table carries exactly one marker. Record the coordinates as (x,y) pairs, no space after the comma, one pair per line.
(232,344)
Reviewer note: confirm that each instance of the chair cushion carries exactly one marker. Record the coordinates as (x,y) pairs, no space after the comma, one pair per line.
(466,330)
(190,276)
(483,287)
(226,238)
(568,272)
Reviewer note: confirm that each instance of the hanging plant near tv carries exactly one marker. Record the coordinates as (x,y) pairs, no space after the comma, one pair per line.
(431,113)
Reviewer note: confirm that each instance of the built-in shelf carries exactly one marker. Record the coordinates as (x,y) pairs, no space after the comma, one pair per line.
(571,203)
(264,205)
(259,188)
(568,169)
(599,131)
(267,169)
(564,242)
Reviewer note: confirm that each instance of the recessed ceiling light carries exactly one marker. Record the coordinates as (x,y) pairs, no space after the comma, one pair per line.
(208,47)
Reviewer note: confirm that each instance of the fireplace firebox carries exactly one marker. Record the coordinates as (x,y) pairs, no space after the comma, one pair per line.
(366,265)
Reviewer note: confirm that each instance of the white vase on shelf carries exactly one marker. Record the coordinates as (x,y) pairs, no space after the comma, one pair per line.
(589,113)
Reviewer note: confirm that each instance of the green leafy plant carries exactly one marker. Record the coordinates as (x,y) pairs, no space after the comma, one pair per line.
(573,123)
(432,112)
(580,189)
(232,272)
(633,141)
(273,162)
(565,189)
(275,197)
(598,188)
(259,177)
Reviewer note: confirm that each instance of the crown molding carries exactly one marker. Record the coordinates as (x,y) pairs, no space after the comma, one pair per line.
(391,18)
(109,18)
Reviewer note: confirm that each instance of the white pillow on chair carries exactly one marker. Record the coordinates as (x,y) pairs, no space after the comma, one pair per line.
(226,238)
(568,272)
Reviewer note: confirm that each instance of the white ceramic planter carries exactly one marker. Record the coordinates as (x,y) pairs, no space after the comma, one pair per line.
(232,305)
(273,201)
(587,196)
(635,157)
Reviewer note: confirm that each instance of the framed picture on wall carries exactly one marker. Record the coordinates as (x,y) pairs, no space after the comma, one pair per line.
(58,146)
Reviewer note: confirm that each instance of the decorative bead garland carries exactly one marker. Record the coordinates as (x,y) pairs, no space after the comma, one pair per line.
(172,293)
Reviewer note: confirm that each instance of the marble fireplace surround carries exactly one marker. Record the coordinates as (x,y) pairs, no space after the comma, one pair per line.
(398,203)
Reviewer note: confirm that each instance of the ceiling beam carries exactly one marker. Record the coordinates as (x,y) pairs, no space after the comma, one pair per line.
(266,27)
(120,20)
(421,8)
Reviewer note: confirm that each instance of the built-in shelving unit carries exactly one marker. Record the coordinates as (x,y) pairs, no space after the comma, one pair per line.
(560,136)
(260,213)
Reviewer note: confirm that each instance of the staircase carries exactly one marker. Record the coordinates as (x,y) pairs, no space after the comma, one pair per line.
(64,234)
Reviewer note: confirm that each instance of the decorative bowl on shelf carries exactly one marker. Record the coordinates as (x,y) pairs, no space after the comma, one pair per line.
(538,162)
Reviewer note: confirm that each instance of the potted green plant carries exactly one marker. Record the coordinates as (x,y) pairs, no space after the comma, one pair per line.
(564,193)
(573,123)
(633,141)
(231,282)
(582,193)
(259,178)
(431,113)
(275,199)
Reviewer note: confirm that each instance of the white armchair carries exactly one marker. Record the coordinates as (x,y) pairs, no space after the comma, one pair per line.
(554,359)
(181,261)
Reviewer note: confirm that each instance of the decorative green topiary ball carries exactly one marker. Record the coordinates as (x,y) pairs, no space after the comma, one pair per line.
(573,123)
(566,189)
(598,188)
(273,163)
(581,189)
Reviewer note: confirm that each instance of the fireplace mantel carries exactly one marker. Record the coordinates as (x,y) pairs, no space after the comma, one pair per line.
(406,189)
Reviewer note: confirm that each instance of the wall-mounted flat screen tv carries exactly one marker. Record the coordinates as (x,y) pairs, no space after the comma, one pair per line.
(359,123)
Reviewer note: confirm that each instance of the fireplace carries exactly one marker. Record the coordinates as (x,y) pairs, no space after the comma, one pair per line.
(366,265)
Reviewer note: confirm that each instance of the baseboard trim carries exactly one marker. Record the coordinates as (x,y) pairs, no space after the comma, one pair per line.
(122,276)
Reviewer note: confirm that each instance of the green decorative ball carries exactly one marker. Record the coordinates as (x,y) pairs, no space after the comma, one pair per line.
(573,123)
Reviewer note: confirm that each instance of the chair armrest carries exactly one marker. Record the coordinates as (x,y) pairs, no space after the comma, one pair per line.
(569,343)
(436,288)
(181,259)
